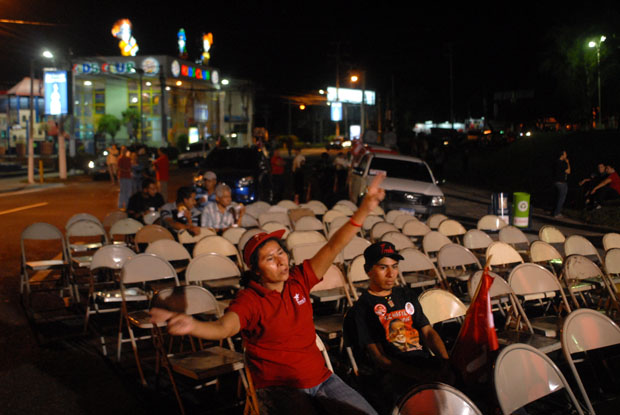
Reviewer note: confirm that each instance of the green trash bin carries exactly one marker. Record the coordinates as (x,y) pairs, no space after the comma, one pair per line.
(521,213)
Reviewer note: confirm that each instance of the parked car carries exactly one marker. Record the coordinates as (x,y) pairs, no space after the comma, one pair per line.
(195,153)
(243,169)
(409,184)
(96,167)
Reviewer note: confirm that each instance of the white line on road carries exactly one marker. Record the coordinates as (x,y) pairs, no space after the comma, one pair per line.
(36,205)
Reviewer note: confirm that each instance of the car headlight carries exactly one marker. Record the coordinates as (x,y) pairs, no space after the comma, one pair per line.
(91,164)
(245,181)
(438,201)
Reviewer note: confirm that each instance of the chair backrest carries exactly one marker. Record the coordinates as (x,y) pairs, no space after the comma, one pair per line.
(612,261)
(500,253)
(499,288)
(476,239)
(441,305)
(399,240)
(308,223)
(435,399)
(147,267)
(185,237)
(579,267)
(333,278)
(329,216)
(512,235)
(356,271)
(316,206)
(524,374)
(82,216)
(577,244)
(249,221)
(402,219)
(42,231)
(127,226)
(370,221)
(415,228)
(433,242)
(551,235)
(435,219)
(531,278)
(585,329)
(541,251)
(344,209)
(611,240)
(276,226)
(454,255)
(337,223)
(112,217)
(381,228)
(355,247)
(323,350)
(196,299)
(345,202)
(151,217)
(169,250)
(256,208)
(490,223)
(287,204)
(247,235)
(451,227)
(233,234)
(111,256)
(415,261)
(210,266)
(215,245)
(303,237)
(86,227)
(152,233)
(391,215)
(301,252)
(269,216)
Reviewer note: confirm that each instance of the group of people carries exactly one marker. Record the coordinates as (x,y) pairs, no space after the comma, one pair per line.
(274,316)
(130,166)
(599,188)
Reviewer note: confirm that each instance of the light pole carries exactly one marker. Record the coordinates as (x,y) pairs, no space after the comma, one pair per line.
(354,79)
(46,54)
(597,45)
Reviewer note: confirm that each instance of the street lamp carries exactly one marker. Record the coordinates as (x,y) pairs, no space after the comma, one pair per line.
(49,55)
(597,45)
(355,78)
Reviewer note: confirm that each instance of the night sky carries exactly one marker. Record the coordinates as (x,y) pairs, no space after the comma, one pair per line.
(293,47)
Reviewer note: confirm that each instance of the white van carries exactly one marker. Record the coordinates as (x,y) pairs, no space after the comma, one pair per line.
(409,184)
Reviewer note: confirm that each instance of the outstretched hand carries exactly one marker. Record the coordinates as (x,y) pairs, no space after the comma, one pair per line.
(178,324)
(374,193)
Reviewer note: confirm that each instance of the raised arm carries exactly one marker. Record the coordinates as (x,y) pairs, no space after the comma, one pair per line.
(323,259)
(180,324)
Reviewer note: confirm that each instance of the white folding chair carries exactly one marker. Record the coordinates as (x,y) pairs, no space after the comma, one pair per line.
(399,240)
(82,216)
(233,235)
(434,220)
(217,245)
(357,277)
(522,375)
(545,254)
(456,264)
(577,244)
(256,208)
(188,239)
(402,219)
(301,252)
(336,224)
(287,204)
(369,222)
(612,265)
(381,228)
(417,270)
(308,223)
(316,206)
(584,279)
(332,288)
(584,330)
(435,399)
(172,251)
(490,223)
(344,209)
(150,233)
(415,230)
(269,216)
(329,216)
(215,272)
(433,242)
(477,241)
(138,274)
(441,306)
(113,217)
(126,229)
(502,257)
(303,237)
(515,237)
(611,240)
(355,247)
(347,203)
(273,226)
(391,215)
(249,221)
(551,235)
(452,229)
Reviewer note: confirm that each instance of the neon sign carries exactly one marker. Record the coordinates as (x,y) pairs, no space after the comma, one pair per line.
(128,44)
(94,68)
(207,41)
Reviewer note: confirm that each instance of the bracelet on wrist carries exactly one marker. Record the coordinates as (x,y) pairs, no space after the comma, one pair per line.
(354,223)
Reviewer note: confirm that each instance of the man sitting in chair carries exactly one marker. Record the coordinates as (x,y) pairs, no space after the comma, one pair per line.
(392,329)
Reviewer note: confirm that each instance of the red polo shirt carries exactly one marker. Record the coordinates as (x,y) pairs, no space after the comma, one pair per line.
(615,182)
(278,330)
(161,168)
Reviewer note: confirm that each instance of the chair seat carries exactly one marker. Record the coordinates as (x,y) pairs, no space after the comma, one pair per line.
(457,274)
(547,325)
(85,247)
(82,261)
(543,343)
(45,264)
(419,280)
(584,286)
(538,296)
(231,282)
(330,325)
(208,363)
(114,296)
(142,319)
(323,296)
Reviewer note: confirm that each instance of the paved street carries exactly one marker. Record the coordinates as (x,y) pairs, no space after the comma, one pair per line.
(70,376)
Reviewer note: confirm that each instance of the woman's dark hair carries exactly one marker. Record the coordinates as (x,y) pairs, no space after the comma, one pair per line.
(252,273)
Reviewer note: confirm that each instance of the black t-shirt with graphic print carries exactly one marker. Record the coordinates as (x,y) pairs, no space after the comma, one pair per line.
(393,321)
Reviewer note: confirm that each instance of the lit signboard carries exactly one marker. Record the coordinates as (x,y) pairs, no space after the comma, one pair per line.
(355,131)
(95,68)
(193,135)
(350,96)
(336,111)
(55,85)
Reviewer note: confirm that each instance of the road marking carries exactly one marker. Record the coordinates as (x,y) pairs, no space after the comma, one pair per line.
(36,205)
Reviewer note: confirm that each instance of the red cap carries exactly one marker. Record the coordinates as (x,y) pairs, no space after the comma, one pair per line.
(258,239)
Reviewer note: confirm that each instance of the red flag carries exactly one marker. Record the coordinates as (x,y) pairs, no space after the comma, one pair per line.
(472,353)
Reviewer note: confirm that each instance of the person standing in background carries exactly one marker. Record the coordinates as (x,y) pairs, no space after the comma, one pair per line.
(112,162)
(162,165)
(560,174)
(124,177)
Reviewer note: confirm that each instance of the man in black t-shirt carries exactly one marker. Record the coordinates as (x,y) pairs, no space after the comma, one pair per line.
(393,331)
(144,200)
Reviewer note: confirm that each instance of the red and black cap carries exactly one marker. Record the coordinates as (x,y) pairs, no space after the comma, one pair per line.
(258,239)
(378,250)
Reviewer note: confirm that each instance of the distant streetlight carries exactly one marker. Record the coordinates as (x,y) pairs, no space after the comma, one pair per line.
(597,45)
(49,55)
(355,78)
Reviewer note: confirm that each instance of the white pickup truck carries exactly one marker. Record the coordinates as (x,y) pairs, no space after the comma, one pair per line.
(409,184)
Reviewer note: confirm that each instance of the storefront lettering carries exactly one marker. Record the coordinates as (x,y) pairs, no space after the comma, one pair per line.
(95,68)
(191,72)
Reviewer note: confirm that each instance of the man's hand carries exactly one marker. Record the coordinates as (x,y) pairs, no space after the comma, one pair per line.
(194,230)
(374,193)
